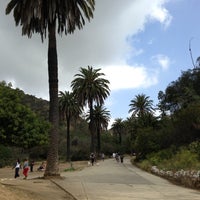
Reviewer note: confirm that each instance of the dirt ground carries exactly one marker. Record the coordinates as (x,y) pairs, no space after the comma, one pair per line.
(35,187)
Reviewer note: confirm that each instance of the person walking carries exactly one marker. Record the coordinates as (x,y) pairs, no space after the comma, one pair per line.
(103,156)
(25,168)
(122,158)
(31,166)
(92,158)
(17,167)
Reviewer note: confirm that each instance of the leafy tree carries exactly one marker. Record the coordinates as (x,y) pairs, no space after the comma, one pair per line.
(19,125)
(141,105)
(90,89)
(187,122)
(37,16)
(181,93)
(147,141)
(70,108)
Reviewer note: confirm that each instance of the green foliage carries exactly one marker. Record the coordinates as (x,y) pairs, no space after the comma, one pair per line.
(8,155)
(161,156)
(182,92)
(146,142)
(194,147)
(172,159)
(19,125)
(5,155)
(184,159)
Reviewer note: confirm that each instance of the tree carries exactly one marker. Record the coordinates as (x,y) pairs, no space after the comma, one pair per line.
(70,108)
(118,128)
(181,93)
(19,125)
(141,105)
(90,89)
(39,16)
(101,119)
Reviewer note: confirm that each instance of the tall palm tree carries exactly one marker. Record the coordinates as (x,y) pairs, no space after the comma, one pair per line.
(90,88)
(101,119)
(70,108)
(141,105)
(45,16)
(118,128)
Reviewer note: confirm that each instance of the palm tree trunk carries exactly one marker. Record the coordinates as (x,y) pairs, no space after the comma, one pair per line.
(92,128)
(98,139)
(68,139)
(52,168)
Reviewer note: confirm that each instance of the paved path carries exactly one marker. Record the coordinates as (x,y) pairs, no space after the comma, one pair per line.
(115,181)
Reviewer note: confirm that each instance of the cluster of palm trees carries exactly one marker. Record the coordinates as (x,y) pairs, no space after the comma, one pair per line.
(89,89)
(63,16)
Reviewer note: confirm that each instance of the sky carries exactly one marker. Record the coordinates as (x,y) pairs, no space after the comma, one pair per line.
(140,45)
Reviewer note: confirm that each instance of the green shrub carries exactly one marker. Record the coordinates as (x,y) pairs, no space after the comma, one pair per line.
(195,148)
(172,159)
(184,159)
(5,155)
(9,155)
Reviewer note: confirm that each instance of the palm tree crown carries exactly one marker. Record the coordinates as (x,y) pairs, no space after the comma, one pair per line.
(101,117)
(89,86)
(35,15)
(68,105)
(141,105)
(118,128)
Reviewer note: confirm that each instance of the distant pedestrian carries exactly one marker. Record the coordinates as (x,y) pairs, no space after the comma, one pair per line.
(102,156)
(117,157)
(25,168)
(122,158)
(17,167)
(92,158)
(31,165)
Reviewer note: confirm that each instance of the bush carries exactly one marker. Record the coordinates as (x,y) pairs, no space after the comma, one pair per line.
(172,159)
(161,156)
(195,148)
(9,155)
(184,159)
(5,155)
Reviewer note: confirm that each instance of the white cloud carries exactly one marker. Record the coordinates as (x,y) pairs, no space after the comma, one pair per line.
(161,14)
(162,60)
(126,77)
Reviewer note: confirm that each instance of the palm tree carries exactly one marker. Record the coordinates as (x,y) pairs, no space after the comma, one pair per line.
(69,107)
(101,119)
(141,105)
(118,128)
(39,16)
(90,88)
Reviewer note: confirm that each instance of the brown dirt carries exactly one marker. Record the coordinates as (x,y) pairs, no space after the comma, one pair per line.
(35,187)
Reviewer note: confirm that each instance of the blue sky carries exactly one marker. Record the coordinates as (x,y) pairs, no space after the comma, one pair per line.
(140,45)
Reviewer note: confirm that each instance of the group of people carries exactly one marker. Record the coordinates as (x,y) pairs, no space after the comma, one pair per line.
(93,157)
(18,167)
(26,167)
(118,157)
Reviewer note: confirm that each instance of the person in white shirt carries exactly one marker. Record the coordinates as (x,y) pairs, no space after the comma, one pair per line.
(17,167)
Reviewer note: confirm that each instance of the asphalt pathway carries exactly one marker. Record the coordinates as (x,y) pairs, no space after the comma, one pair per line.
(110,180)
